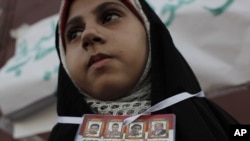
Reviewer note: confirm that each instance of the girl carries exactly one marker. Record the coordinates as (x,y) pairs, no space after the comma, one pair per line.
(118,58)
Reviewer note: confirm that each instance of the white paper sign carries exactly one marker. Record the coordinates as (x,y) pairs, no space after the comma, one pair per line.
(31,74)
(213,36)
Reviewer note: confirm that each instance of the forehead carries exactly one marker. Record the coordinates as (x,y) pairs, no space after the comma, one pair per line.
(86,6)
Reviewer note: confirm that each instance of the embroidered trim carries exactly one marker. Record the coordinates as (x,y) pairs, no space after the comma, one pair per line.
(164,104)
(159,106)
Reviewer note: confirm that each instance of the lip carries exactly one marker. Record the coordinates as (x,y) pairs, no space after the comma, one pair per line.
(98,59)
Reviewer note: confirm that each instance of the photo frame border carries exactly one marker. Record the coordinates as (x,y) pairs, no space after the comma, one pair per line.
(151,126)
(144,123)
(107,126)
(87,125)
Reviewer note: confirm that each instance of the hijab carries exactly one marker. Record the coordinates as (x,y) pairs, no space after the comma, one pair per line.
(196,118)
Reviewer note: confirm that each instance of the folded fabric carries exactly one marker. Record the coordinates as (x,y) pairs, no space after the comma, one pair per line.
(214,38)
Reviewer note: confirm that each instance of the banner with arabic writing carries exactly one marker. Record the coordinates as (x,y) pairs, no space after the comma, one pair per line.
(213,36)
(31,74)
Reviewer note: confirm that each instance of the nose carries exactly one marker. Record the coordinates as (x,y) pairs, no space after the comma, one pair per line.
(91,37)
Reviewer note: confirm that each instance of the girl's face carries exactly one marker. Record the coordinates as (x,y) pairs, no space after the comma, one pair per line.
(106,47)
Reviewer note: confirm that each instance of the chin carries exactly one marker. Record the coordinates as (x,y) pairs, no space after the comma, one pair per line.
(107,95)
(110,88)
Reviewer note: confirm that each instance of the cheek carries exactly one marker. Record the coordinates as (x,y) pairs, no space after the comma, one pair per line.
(70,60)
(139,39)
(135,42)
(74,64)
(140,49)
(133,51)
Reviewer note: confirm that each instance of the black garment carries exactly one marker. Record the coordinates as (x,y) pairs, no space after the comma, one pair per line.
(197,119)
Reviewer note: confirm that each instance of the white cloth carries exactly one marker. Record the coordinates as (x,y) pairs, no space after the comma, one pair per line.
(31,74)
(213,36)
(28,81)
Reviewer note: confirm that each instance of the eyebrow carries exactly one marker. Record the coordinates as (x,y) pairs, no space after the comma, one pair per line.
(76,19)
(98,9)
(104,5)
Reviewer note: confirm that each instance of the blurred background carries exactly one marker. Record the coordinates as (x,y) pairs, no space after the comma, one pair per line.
(14,15)
(214,37)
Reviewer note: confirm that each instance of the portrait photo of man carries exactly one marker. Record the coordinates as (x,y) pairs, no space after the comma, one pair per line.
(93,129)
(158,129)
(135,130)
(114,130)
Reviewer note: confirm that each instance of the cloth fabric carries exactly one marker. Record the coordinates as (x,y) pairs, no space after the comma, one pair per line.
(196,118)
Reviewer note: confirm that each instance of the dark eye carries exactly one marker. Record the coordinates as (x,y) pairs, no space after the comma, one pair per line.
(111,16)
(74,34)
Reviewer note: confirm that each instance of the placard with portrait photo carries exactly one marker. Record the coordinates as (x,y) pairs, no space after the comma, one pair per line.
(136,130)
(114,129)
(93,128)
